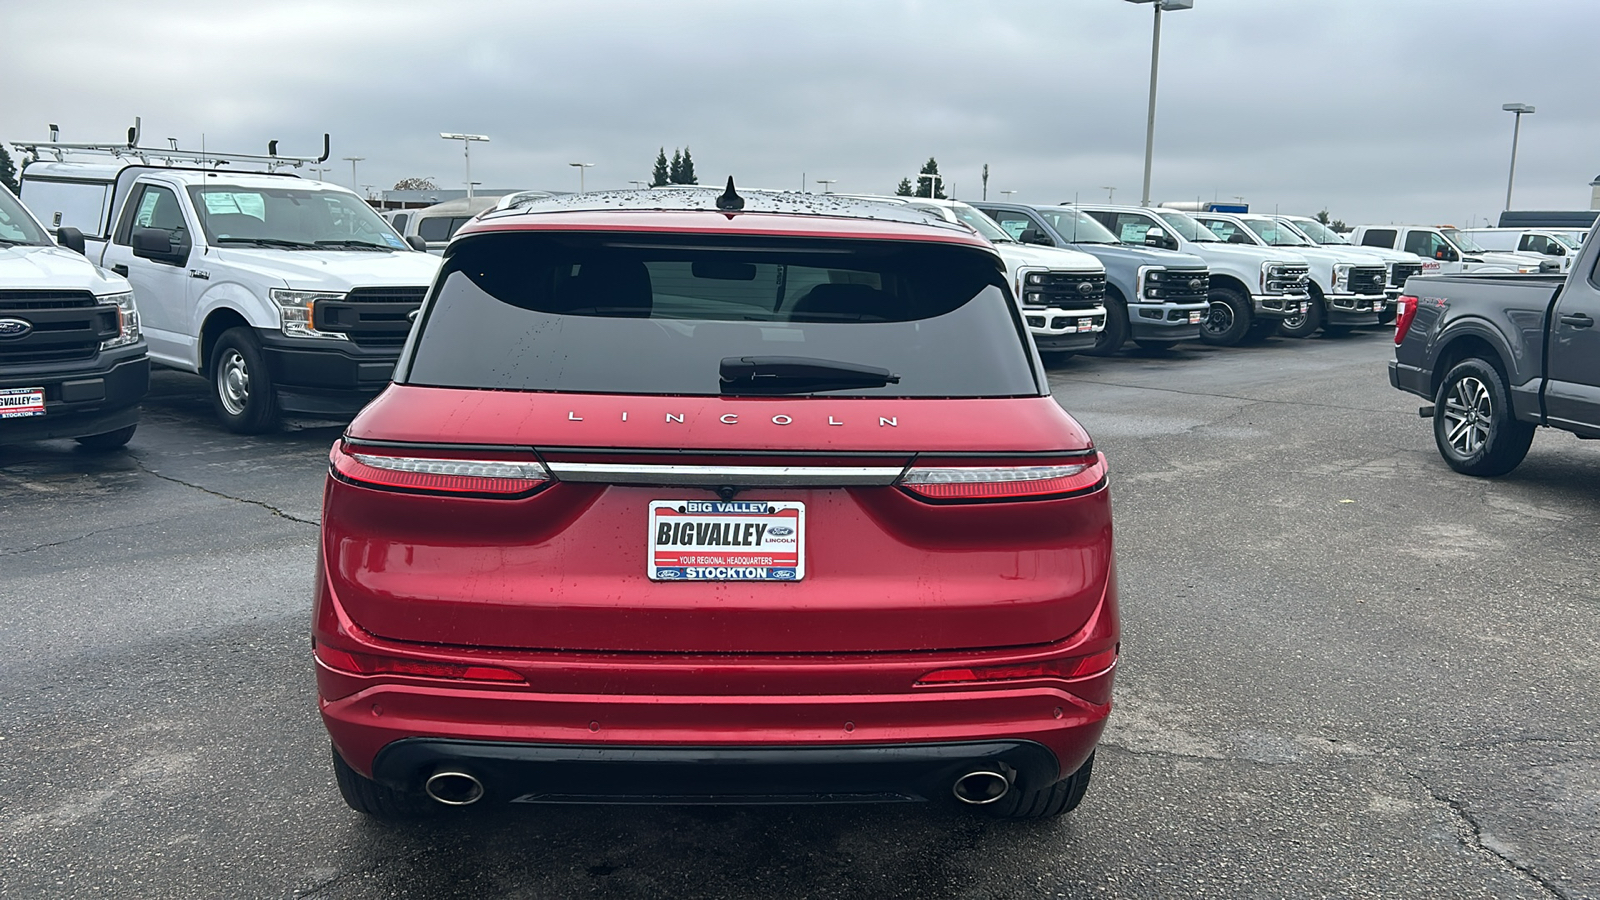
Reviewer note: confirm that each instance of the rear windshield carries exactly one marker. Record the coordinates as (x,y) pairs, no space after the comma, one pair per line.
(658,314)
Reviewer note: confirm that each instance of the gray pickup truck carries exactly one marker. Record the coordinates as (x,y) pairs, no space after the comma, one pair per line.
(1500,355)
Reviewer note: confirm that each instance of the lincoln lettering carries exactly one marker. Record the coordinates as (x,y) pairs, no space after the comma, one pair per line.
(709,534)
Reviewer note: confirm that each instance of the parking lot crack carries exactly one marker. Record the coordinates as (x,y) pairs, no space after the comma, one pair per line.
(75,538)
(1472,836)
(205,490)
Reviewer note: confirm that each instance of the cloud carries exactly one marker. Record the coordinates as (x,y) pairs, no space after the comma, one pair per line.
(1377,110)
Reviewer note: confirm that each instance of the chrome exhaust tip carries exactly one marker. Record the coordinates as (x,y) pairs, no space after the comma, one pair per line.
(981,786)
(453,787)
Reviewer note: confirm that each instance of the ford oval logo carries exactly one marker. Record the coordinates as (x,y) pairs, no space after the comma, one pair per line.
(1086,287)
(780,530)
(15,328)
(1195,284)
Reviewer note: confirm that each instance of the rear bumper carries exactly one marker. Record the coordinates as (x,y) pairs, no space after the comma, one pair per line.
(82,403)
(1166,321)
(1410,379)
(599,773)
(325,377)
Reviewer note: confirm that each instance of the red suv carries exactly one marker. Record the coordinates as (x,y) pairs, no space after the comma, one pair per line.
(686,497)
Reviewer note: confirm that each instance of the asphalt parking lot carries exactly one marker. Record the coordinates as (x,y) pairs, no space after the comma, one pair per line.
(1347,672)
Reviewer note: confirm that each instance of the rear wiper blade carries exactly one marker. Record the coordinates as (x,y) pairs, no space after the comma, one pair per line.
(265,242)
(798,375)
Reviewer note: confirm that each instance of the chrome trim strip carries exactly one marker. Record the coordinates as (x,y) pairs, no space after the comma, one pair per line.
(738,476)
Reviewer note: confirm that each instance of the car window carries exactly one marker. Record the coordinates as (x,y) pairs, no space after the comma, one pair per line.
(1378,237)
(656,314)
(1076,226)
(16,226)
(1429,245)
(1016,224)
(1228,232)
(1187,226)
(156,207)
(399,221)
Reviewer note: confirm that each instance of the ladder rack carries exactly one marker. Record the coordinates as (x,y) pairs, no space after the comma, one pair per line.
(169,156)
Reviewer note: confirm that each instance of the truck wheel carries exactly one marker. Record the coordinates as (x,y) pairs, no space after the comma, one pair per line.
(1304,325)
(1473,423)
(1050,800)
(111,440)
(380,801)
(1115,334)
(1228,320)
(241,387)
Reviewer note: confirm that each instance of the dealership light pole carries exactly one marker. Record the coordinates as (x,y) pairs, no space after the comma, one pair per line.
(580,167)
(352,160)
(1155,58)
(466,151)
(1516,129)
(827,184)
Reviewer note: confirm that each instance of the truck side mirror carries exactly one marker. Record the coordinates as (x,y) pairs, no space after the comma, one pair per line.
(1155,237)
(1547,266)
(70,238)
(156,244)
(1038,237)
(417,243)
(1554,249)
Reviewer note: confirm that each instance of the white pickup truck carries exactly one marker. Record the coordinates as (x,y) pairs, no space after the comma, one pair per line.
(1442,253)
(288,295)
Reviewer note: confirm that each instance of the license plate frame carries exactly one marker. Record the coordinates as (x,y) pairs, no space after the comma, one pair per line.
(725,540)
(21,403)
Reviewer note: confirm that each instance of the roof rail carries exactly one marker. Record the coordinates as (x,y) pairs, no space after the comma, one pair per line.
(169,156)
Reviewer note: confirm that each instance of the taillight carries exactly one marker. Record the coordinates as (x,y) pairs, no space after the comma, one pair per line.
(1071,667)
(368,664)
(437,474)
(1014,482)
(1404,313)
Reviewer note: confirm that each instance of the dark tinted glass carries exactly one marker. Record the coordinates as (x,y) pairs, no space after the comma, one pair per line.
(657,314)
(436,228)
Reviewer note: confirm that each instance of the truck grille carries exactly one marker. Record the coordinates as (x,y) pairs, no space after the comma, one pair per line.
(64,326)
(1367,280)
(1177,285)
(1287,278)
(1400,271)
(1063,290)
(371,316)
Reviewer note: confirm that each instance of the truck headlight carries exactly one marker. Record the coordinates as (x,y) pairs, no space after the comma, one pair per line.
(1341,278)
(1035,278)
(127,319)
(297,312)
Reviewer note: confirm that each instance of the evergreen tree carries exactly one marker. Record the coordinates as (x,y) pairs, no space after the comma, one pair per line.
(675,170)
(8,171)
(1323,217)
(660,175)
(904,190)
(686,173)
(930,187)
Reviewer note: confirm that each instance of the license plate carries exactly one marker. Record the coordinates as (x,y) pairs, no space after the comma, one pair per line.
(1194,318)
(1085,325)
(18,402)
(726,540)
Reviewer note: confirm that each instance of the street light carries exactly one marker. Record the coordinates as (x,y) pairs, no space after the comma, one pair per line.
(1111,191)
(827,184)
(934,181)
(1155,57)
(580,167)
(1007,195)
(466,151)
(352,160)
(321,171)
(1519,109)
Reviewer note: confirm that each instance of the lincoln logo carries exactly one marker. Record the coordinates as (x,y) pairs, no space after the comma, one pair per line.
(14,328)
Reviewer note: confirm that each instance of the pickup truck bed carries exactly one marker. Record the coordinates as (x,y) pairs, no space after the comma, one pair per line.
(1497,356)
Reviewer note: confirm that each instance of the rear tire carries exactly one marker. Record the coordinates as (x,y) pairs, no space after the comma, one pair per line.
(111,440)
(1045,802)
(1115,334)
(380,801)
(1473,424)
(1304,325)
(242,391)
(1228,320)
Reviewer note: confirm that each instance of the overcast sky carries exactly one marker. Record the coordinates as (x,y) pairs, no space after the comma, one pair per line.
(1378,110)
